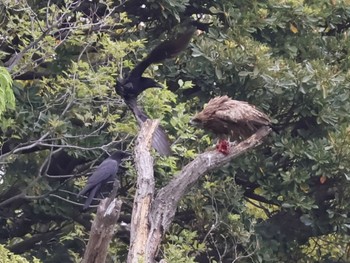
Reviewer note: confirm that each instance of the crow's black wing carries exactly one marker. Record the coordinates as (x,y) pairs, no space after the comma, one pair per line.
(172,47)
(104,172)
(160,140)
(167,49)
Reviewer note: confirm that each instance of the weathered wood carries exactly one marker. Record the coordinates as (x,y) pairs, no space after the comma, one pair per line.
(165,203)
(152,216)
(102,230)
(139,231)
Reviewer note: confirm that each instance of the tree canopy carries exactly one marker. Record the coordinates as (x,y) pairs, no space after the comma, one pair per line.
(286,201)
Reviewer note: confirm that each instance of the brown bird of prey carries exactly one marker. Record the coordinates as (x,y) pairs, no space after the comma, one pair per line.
(226,117)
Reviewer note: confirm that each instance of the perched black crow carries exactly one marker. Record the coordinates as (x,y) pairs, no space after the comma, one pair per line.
(104,173)
(134,84)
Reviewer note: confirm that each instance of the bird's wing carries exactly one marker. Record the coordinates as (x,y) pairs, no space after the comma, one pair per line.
(103,172)
(137,72)
(242,112)
(167,49)
(160,140)
(172,47)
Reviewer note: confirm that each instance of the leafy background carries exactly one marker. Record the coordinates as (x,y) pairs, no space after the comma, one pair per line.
(287,201)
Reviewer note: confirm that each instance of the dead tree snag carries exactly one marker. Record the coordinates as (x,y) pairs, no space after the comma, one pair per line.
(152,215)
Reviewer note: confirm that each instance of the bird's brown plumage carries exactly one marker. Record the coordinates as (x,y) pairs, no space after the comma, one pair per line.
(226,117)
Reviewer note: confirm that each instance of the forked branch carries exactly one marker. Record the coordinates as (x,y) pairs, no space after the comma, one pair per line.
(157,212)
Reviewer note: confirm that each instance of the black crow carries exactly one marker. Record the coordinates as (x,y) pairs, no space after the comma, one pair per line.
(104,173)
(134,84)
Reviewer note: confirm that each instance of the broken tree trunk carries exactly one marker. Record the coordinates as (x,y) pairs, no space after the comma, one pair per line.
(154,214)
(144,194)
(102,229)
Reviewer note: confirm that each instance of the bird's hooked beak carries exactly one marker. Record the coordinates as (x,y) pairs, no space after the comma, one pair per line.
(127,156)
(160,86)
(195,122)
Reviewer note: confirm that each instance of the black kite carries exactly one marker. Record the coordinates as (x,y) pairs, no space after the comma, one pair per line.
(226,117)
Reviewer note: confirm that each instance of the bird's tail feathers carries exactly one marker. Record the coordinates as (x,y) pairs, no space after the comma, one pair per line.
(91,197)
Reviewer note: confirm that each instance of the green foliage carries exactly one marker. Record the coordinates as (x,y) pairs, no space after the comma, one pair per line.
(7,257)
(333,246)
(182,247)
(7,98)
(286,201)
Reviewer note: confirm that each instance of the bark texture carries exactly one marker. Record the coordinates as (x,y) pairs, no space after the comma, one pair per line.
(102,230)
(139,231)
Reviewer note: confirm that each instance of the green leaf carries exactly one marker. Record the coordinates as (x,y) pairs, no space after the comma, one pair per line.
(7,98)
